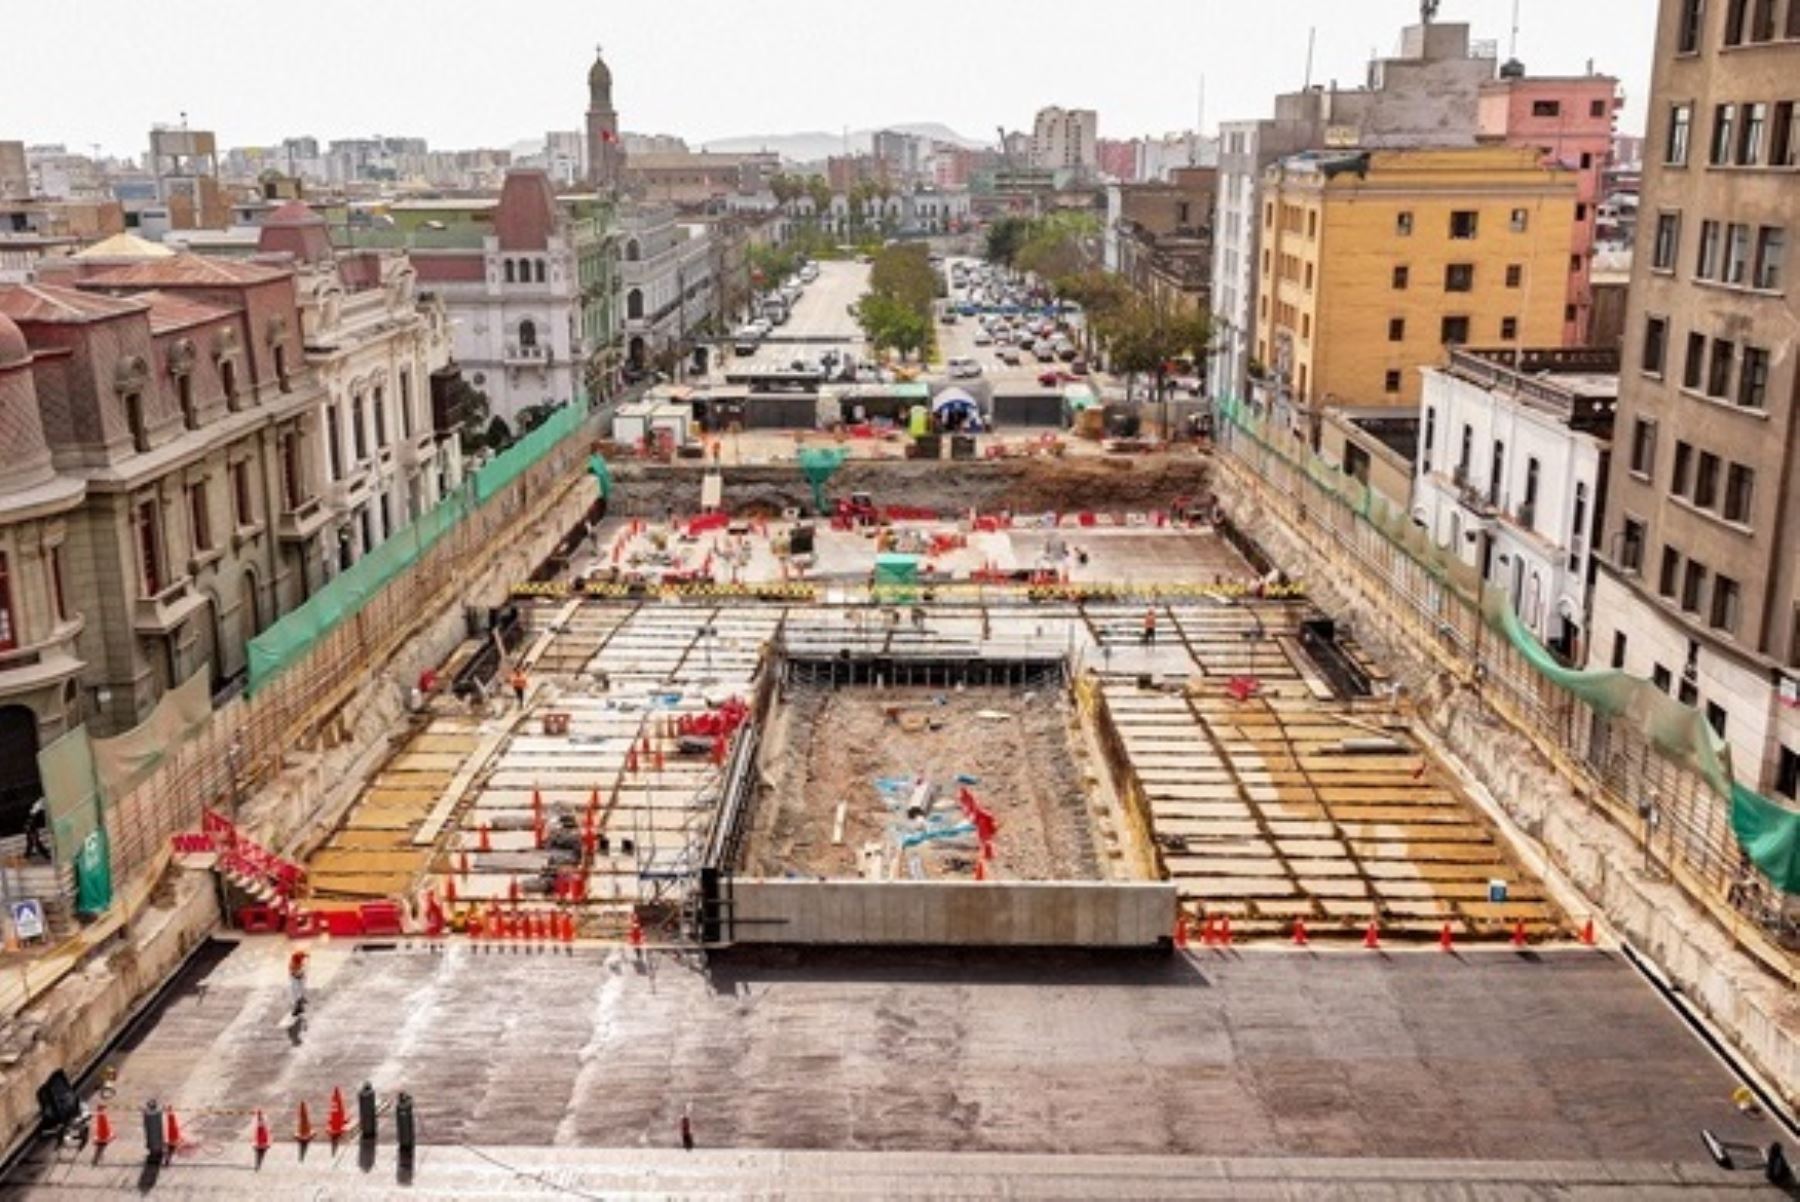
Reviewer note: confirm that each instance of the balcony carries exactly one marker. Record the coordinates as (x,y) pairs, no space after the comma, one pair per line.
(162,613)
(535,355)
(302,521)
(1473,499)
(420,448)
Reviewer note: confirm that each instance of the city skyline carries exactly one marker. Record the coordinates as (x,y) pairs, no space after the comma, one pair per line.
(655,56)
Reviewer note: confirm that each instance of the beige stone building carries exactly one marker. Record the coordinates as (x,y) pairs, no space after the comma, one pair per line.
(1701,557)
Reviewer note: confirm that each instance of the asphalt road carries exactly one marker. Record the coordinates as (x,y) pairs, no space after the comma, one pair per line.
(1489,1056)
(819,321)
(958,340)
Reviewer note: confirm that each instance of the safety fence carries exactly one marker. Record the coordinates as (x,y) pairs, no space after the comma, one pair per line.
(1436,598)
(951,590)
(314,665)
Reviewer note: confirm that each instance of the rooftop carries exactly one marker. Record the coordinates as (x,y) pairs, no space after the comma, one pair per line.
(169,312)
(189,271)
(1579,384)
(51,304)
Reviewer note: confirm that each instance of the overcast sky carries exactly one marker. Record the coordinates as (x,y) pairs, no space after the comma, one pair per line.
(465,73)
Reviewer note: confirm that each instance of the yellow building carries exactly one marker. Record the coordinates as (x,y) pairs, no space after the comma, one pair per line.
(1373,260)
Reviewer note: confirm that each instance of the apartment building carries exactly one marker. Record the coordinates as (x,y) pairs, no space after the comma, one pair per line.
(1699,588)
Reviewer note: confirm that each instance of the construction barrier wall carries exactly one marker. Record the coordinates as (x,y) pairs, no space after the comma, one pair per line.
(1097,914)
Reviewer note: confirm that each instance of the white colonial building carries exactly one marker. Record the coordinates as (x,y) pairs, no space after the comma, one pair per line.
(666,271)
(1511,474)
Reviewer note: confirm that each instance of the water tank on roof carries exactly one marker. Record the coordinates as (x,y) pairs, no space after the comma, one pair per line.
(1512,68)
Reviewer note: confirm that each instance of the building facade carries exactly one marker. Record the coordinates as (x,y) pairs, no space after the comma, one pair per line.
(1159,237)
(1570,120)
(1066,139)
(1514,452)
(666,273)
(1699,575)
(1374,262)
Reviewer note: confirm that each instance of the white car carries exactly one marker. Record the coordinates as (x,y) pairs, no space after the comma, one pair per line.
(964,369)
(983,338)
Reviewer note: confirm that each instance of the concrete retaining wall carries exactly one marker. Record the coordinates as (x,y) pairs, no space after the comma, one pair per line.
(953,913)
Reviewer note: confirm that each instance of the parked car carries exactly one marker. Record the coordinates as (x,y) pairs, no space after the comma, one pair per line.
(1066,352)
(962,368)
(983,338)
(1054,377)
(1044,352)
(1078,367)
(1009,355)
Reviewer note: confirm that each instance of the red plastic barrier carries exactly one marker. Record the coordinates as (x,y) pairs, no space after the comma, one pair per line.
(303,924)
(382,918)
(342,922)
(706,522)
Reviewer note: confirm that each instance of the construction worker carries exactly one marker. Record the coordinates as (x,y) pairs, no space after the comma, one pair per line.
(1149,625)
(297,983)
(518,682)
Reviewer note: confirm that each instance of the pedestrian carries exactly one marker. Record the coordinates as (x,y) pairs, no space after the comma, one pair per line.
(297,983)
(687,1132)
(519,684)
(1150,625)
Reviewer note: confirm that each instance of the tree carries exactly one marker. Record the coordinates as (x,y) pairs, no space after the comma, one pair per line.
(1004,238)
(820,192)
(471,404)
(1100,295)
(1147,336)
(1057,245)
(896,312)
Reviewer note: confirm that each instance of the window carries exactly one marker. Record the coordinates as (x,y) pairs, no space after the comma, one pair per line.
(149,539)
(1581,211)
(1787,768)
(1309,277)
(527,333)
(1750,139)
(228,382)
(9,629)
(1693,586)
(1466,454)
(1312,223)
(1706,264)
(281,372)
(134,421)
(1430,434)
(509,271)
(1509,329)
(539,271)
(58,602)
(1715,714)
(1545,108)
(1643,446)
(1671,571)
(1568,312)
(1724,121)
(1631,546)
(1515,274)
(1771,245)
(359,433)
(1587,159)
(1737,254)
(1459,277)
(1596,108)
(334,444)
(243,501)
(1693,370)
(1656,337)
(1659,676)
(1400,278)
(1668,241)
(1462,223)
(380,415)
(1718,377)
(1454,330)
(200,520)
(406,413)
(1735,11)
(1528,507)
(1578,526)
(1740,489)
(1396,329)
(184,395)
(292,492)
(1496,472)
(1618,651)
(1784,138)
(1681,121)
(1706,481)
(1403,223)
(1574,264)
(1753,378)
(1687,33)
(1520,220)
(1391,382)
(1684,469)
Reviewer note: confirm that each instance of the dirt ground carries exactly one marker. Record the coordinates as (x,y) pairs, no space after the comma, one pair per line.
(834,745)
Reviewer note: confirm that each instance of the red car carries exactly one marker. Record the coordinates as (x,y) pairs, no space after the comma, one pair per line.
(1053,377)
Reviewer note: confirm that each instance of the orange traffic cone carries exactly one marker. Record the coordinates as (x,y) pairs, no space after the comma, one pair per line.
(512,890)
(473,926)
(1372,936)
(1181,932)
(337,1122)
(462,864)
(537,834)
(1444,938)
(259,1135)
(103,1128)
(631,761)
(1299,932)
(1518,935)
(303,1128)
(450,889)
(537,805)
(484,845)
(568,928)
(980,869)
(171,1129)
(1587,932)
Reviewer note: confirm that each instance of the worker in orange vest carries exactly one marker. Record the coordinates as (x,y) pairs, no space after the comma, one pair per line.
(518,685)
(1150,624)
(297,983)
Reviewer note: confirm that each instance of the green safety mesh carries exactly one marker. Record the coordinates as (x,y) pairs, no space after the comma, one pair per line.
(72,798)
(602,475)
(1768,832)
(819,464)
(295,633)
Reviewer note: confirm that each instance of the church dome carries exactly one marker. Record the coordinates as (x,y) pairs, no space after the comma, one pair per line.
(600,79)
(12,343)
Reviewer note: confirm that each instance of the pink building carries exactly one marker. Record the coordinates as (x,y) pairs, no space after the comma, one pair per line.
(1118,158)
(1570,119)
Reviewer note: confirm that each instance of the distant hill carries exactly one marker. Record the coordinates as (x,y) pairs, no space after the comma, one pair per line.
(812,146)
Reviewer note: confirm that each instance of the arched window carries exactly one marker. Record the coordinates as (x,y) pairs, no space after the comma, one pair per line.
(527,333)
(631,251)
(540,271)
(509,271)
(634,303)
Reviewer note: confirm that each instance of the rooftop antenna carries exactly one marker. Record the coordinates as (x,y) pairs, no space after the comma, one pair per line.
(1311,33)
(1427,10)
(1512,45)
